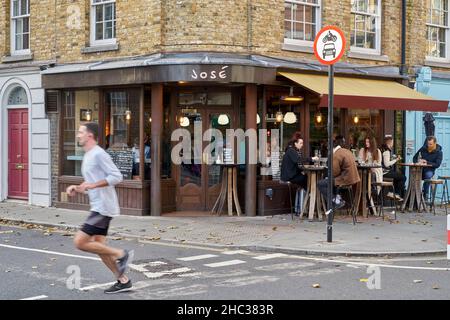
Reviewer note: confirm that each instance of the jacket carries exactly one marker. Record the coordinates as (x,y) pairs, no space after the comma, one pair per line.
(290,165)
(345,171)
(433,158)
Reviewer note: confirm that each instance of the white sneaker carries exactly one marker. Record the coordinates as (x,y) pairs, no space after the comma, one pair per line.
(390,195)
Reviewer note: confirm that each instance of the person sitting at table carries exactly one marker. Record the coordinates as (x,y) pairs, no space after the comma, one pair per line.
(293,160)
(431,154)
(370,154)
(136,155)
(390,170)
(345,172)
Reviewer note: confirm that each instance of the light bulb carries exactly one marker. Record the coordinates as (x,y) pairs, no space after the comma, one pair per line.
(128,115)
(356,119)
(319,118)
(184,121)
(279,116)
(258,119)
(223,120)
(290,118)
(88,116)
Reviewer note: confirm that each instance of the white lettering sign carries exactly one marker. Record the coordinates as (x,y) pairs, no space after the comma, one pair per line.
(210,75)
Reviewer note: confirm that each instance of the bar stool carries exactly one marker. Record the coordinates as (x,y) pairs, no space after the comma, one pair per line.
(350,210)
(290,184)
(433,184)
(380,196)
(445,190)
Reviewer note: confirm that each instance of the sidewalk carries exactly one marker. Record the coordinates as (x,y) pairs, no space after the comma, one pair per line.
(412,234)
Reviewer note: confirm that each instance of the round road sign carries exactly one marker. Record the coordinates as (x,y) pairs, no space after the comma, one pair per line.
(329,45)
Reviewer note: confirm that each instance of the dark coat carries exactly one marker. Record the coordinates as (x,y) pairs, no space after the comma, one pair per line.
(345,171)
(433,158)
(291,163)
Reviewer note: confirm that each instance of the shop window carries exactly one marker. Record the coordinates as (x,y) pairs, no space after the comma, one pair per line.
(301,21)
(103,22)
(20,24)
(437,29)
(78,107)
(365,34)
(364,123)
(318,133)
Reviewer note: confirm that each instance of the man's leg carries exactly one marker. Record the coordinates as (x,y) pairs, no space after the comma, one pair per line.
(84,242)
(323,187)
(427,174)
(109,261)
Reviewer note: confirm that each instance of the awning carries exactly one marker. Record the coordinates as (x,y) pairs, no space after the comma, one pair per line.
(357,93)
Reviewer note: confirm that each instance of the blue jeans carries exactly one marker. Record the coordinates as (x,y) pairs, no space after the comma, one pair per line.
(426,174)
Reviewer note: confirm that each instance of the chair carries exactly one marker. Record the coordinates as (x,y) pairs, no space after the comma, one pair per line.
(445,192)
(350,210)
(289,184)
(433,184)
(380,196)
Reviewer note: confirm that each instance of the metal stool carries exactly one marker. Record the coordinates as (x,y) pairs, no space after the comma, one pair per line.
(290,184)
(433,184)
(350,210)
(445,192)
(380,196)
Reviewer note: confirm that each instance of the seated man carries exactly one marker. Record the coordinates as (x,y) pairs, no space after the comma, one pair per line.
(345,171)
(431,154)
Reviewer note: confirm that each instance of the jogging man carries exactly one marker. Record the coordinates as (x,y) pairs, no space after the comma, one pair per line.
(100,176)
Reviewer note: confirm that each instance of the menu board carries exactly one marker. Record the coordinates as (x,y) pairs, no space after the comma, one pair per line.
(123,159)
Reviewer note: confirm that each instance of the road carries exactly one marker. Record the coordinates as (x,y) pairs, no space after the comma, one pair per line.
(43,265)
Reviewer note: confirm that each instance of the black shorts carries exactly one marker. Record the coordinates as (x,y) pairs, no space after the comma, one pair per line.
(96,224)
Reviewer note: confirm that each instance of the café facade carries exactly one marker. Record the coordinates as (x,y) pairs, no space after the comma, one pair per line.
(140,102)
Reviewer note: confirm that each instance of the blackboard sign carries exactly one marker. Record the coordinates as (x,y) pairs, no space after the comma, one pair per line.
(123,159)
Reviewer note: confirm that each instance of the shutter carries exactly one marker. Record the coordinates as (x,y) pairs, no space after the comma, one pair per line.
(51,101)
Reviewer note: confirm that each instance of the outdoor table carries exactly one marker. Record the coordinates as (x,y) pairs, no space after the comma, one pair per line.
(363,189)
(414,193)
(313,199)
(228,190)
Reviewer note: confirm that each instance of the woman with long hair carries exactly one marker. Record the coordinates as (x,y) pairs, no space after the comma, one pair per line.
(390,170)
(372,155)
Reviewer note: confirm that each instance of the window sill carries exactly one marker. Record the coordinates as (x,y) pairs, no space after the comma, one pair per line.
(100,48)
(297,48)
(439,64)
(368,56)
(17,58)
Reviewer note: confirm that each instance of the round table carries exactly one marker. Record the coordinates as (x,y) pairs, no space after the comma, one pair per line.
(363,189)
(414,196)
(313,199)
(228,190)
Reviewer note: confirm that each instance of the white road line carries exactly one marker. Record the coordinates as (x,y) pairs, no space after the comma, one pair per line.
(50,252)
(224,263)
(95,286)
(203,256)
(154,275)
(142,267)
(35,298)
(231,252)
(270,256)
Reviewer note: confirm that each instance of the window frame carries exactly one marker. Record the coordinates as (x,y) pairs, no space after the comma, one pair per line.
(318,7)
(13,20)
(428,24)
(378,31)
(93,23)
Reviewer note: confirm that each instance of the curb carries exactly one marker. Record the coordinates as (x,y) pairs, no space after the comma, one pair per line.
(250,247)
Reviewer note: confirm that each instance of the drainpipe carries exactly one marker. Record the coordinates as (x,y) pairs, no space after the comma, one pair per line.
(249,26)
(403,69)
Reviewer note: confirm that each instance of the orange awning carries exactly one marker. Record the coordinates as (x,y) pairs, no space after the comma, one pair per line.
(358,93)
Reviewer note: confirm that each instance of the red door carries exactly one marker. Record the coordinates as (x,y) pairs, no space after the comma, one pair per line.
(18,153)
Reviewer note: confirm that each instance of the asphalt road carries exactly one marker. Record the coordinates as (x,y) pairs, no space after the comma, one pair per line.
(43,265)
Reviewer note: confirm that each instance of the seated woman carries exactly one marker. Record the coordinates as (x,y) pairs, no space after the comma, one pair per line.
(372,155)
(390,170)
(293,160)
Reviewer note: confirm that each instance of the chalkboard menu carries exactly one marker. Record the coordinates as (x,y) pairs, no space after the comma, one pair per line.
(123,159)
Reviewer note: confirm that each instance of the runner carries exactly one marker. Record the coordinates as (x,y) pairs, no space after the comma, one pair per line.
(100,176)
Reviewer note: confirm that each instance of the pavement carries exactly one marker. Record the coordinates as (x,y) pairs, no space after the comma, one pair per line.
(411,234)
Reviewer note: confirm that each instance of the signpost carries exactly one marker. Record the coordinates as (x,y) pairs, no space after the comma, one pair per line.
(329,47)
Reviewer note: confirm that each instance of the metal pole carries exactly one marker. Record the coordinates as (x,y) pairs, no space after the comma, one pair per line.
(330,153)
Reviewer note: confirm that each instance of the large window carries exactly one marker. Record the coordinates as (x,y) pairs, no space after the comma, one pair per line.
(437,29)
(20,27)
(301,21)
(103,22)
(365,34)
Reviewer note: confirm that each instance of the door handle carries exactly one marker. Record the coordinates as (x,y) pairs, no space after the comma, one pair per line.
(19,166)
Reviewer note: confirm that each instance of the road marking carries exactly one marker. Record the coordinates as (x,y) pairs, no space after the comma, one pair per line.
(95,286)
(141,267)
(231,252)
(200,257)
(224,263)
(50,252)
(154,275)
(35,298)
(270,256)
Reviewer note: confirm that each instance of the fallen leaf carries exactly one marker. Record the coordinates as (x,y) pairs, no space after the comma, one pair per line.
(316,285)
(417,281)
(363,280)
(153,238)
(429,262)
(53,259)
(52,284)
(435,287)
(34,267)
(7,271)
(274,228)
(424,240)
(172,227)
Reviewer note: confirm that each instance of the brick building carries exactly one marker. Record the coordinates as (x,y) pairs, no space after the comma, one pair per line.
(144,68)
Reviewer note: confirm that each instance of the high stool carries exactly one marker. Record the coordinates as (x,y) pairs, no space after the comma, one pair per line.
(433,184)
(290,185)
(350,210)
(380,196)
(445,191)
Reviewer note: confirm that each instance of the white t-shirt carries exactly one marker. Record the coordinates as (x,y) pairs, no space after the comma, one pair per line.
(97,165)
